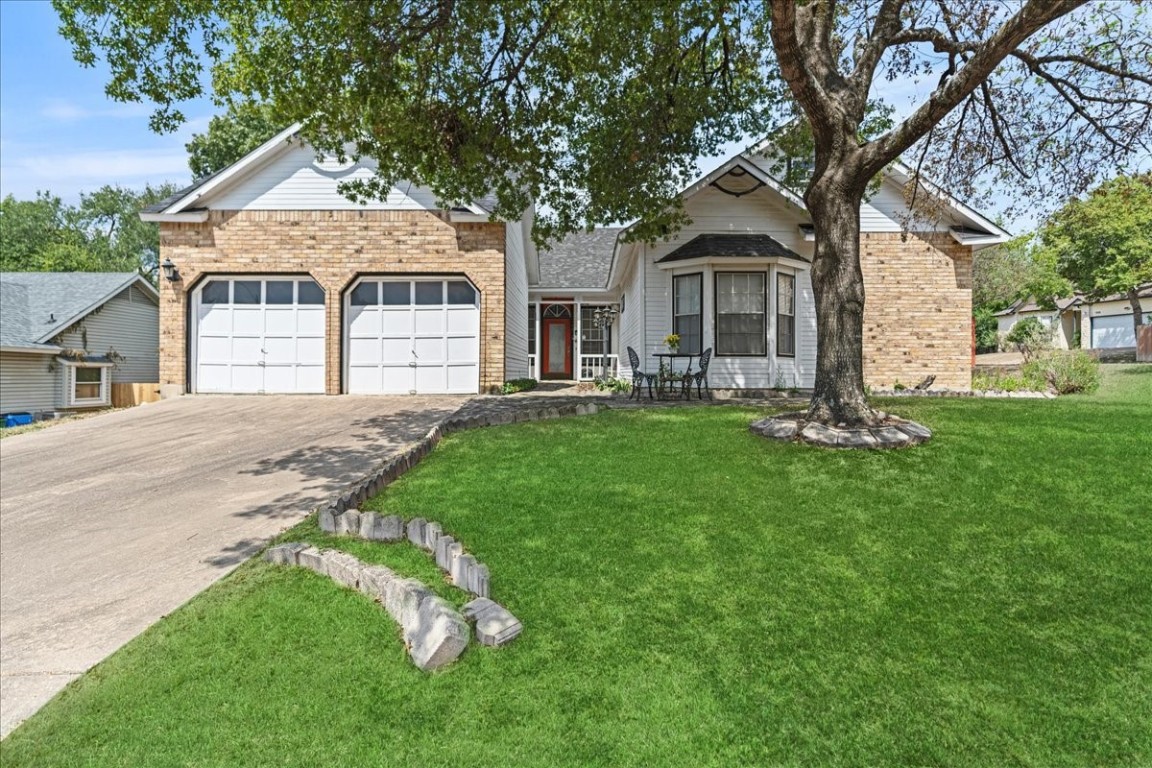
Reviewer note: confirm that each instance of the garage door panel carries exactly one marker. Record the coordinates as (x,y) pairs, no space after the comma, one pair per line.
(431,379)
(364,351)
(364,321)
(279,351)
(463,321)
(395,350)
(363,380)
(396,322)
(279,378)
(462,349)
(463,378)
(310,378)
(430,321)
(247,378)
(215,320)
(215,377)
(397,380)
(248,321)
(215,349)
(310,352)
(310,322)
(280,321)
(429,350)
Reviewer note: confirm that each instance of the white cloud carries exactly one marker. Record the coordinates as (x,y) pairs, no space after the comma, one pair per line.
(24,171)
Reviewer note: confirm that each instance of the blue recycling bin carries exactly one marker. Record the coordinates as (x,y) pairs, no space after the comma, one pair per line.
(17,419)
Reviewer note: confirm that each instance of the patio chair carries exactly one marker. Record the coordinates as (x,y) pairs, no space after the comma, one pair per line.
(700,376)
(638,376)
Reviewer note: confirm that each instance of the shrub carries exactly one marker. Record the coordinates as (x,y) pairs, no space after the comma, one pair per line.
(518,385)
(1030,336)
(1004,382)
(1065,373)
(987,330)
(612,384)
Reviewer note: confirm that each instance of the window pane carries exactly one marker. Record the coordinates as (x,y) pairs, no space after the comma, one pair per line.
(88,375)
(786,290)
(366,294)
(87,392)
(215,292)
(310,293)
(278,292)
(460,292)
(785,337)
(246,292)
(428,294)
(740,313)
(785,315)
(397,294)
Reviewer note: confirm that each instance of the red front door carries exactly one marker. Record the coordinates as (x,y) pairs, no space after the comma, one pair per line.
(557,332)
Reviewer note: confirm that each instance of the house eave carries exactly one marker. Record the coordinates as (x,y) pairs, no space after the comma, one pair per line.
(37,350)
(732,261)
(187,217)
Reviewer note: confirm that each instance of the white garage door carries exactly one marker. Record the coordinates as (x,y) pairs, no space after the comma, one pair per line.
(1112,332)
(259,334)
(419,336)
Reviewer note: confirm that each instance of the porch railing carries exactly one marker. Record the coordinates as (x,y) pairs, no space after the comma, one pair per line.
(592,366)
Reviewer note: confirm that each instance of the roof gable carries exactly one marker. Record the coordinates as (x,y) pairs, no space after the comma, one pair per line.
(580,260)
(45,303)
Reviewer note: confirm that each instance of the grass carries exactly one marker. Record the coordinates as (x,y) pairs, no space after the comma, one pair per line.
(36,426)
(693,595)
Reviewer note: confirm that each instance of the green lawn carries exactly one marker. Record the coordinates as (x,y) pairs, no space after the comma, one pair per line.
(693,595)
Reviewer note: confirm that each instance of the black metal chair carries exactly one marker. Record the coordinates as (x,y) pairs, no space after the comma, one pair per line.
(639,378)
(700,376)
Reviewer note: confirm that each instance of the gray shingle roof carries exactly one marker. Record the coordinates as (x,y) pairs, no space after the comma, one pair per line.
(748,246)
(580,260)
(38,305)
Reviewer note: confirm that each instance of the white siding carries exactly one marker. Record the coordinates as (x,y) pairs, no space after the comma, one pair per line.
(294,180)
(129,323)
(515,303)
(712,211)
(632,319)
(26,384)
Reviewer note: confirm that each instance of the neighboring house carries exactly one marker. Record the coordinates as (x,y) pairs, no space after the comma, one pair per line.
(66,337)
(1106,323)
(1063,321)
(1103,323)
(281,284)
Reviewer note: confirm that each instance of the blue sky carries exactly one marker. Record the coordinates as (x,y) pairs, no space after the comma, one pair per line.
(59,132)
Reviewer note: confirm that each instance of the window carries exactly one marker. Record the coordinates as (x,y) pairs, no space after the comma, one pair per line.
(785,315)
(215,292)
(367,294)
(687,320)
(397,294)
(741,318)
(591,335)
(87,384)
(531,329)
(310,293)
(278,292)
(246,292)
(461,292)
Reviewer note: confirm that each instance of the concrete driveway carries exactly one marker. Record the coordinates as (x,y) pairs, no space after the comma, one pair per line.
(109,523)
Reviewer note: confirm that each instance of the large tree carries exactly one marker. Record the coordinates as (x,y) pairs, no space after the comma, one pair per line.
(1102,244)
(598,109)
(243,127)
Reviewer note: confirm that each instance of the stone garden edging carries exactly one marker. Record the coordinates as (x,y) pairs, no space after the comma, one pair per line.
(894,432)
(434,632)
(1028,393)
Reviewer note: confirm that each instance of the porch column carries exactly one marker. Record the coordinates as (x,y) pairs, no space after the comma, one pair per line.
(577,366)
(539,345)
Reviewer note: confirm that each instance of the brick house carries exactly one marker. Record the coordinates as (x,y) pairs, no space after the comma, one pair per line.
(279,283)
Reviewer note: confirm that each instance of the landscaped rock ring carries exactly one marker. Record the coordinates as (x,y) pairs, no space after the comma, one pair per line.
(892,432)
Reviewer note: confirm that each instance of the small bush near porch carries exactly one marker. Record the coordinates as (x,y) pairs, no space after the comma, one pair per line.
(694,595)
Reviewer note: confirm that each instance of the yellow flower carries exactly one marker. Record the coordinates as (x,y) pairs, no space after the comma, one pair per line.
(672,340)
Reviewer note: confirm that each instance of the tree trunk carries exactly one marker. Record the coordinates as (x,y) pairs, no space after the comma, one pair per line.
(838,284)
(1137,311)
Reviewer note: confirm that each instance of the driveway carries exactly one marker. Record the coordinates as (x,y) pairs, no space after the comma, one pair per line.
(109,523)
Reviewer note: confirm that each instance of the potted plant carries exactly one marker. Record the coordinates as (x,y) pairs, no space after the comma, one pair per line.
(672,341)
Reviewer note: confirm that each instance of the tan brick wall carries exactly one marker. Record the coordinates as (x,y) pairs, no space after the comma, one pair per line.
(334,247)
(918,309)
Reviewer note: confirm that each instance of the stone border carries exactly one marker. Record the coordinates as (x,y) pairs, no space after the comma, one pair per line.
(434,632)
(894,433)
(465,571)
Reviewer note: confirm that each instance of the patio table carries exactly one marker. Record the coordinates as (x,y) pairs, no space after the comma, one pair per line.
(668,372)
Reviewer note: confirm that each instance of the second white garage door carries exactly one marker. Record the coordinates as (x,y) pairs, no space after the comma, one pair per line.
(412,336)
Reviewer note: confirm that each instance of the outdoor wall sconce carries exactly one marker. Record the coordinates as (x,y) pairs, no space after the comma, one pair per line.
(170,272)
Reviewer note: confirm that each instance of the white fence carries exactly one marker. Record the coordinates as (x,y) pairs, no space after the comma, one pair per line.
(592,366)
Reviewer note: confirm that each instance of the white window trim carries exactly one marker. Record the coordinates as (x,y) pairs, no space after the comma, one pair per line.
(70,367)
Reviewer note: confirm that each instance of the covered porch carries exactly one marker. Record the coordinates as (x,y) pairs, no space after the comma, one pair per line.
(569,339)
